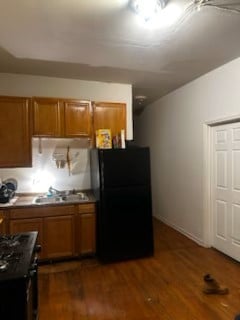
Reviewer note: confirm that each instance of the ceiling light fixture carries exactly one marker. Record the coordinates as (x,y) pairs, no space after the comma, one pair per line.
(148,9)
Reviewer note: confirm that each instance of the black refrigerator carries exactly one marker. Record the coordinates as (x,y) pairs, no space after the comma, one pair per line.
(121,183)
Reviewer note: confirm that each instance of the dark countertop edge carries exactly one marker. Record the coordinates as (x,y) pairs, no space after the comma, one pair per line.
(26,200)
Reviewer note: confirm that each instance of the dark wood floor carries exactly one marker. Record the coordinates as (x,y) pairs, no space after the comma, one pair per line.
(167,286)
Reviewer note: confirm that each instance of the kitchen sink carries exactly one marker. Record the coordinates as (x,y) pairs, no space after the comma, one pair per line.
(45,199)
(61,198)
(75,197)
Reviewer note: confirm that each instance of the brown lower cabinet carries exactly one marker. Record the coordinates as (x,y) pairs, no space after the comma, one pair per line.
(64,231)
(3,222)
(86,240)
(59,237)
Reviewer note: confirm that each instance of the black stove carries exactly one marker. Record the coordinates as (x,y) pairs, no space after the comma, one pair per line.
(18,276)
(16,254)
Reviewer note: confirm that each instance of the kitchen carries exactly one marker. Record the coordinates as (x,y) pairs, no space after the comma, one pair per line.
(66,218)
(30,86)
(61,300)
(208,99)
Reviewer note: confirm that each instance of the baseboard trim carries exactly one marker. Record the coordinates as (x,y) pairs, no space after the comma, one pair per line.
(181,230)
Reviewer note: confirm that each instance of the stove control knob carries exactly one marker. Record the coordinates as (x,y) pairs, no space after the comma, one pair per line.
(32,273)
(37,248)
(34,266)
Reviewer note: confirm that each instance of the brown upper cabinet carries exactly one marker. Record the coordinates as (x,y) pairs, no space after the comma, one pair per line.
(61,117)
(53,117)
(77,118)
(15,128)
(47,117)
(109,115)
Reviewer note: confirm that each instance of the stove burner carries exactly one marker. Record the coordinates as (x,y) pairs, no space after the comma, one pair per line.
(12,241)
(6,256)
(3,265)
(14,251)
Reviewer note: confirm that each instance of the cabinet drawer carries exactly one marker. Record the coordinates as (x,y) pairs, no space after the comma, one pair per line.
(86,208)
(41,211)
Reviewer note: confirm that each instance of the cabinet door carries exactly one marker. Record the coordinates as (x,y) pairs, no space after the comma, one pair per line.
(47,117)
(3,223)
(26,225)
(77,118)
(109,115)
(86,229)
(59,236)
(88,233)
(15,138)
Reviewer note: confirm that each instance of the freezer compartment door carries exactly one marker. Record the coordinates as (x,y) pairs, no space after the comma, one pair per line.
(124,167)
(125,224)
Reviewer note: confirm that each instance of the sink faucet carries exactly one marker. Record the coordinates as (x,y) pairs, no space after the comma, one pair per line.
(53,191)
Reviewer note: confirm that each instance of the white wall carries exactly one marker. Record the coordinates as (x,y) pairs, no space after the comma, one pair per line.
(26,85)
(173,128)
(44,172)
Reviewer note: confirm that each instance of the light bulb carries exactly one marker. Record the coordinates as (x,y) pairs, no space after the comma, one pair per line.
(148,9)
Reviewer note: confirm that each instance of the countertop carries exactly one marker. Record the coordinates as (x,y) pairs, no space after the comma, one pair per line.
(27,200)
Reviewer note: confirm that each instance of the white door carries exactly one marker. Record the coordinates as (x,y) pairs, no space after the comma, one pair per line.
(226,189)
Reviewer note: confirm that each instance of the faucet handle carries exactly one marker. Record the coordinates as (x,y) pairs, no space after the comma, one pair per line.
(50,191)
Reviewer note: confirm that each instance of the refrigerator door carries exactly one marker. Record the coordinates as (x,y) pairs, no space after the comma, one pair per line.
(125,224)
(124,167)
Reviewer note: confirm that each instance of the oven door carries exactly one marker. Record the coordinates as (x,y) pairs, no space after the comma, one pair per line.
(32,293)
(16,299)
(30,314)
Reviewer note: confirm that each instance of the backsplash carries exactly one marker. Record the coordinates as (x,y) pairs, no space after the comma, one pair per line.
(47,171)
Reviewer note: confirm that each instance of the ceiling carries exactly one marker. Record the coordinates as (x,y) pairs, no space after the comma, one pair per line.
(103,40)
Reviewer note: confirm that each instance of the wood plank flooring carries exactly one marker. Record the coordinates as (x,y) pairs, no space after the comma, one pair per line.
(167,286)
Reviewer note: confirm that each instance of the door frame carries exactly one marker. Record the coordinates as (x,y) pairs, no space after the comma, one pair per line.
(207,176)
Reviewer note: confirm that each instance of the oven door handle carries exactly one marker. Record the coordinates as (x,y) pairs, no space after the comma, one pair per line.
(33,268)
(34,264)
(32,273)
